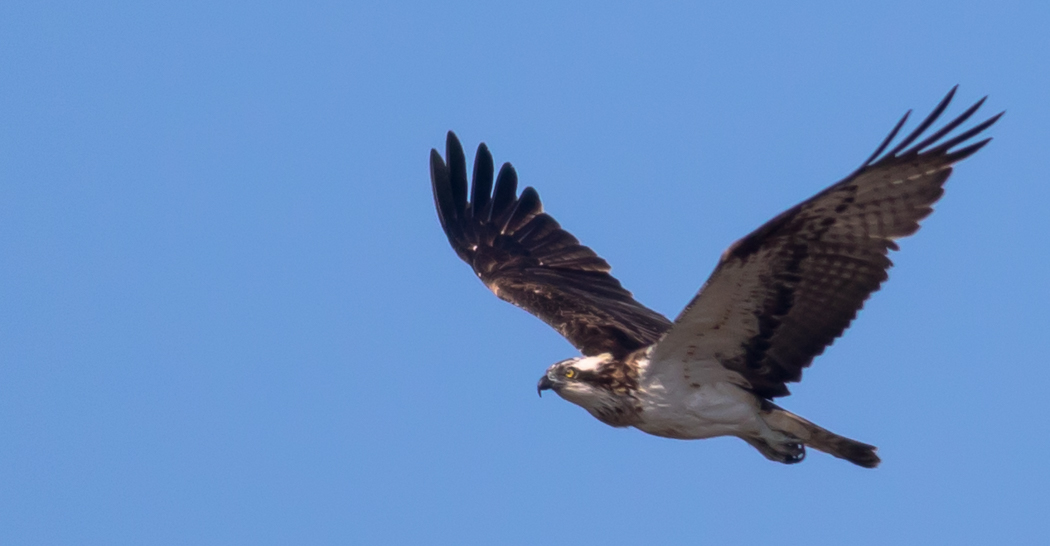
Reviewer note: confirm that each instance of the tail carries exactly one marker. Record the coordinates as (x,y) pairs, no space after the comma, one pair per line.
(802,431)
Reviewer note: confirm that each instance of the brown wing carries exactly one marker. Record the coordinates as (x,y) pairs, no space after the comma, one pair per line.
(526,258)
(782,294)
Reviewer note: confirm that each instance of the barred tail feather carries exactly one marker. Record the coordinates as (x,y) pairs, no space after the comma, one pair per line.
(821,439)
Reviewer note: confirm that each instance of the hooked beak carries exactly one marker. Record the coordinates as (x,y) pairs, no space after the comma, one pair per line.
(545,384)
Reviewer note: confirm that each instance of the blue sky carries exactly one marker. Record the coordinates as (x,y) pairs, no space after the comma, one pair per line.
(229,314)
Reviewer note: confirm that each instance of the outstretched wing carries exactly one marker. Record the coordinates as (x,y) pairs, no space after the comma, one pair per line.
(526,258)
(782,294)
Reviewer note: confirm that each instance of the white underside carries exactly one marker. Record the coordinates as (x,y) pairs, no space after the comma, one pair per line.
(675,409)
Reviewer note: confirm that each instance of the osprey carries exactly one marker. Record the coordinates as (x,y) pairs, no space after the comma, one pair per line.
(775,300)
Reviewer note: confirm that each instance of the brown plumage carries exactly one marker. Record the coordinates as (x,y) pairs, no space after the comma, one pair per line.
(527,259)
(777,298)
(782,294)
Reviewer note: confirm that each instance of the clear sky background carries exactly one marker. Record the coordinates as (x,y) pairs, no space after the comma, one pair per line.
(228,314)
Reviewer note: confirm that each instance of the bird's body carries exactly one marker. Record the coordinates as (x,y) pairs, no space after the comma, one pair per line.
(673,409)
(776,299)
(634,393)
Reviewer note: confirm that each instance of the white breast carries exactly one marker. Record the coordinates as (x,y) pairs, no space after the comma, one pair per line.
(675,409)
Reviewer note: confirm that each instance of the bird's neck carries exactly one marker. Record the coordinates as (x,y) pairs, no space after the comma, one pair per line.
(619,379)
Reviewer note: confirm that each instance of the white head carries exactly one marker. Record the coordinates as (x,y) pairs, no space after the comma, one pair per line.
(598,384)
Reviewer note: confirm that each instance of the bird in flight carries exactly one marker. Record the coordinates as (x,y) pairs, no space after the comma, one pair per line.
(777,298)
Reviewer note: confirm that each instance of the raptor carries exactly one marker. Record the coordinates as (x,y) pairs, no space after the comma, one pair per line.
(777,298)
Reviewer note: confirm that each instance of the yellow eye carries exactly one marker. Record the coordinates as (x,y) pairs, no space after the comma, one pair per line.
(570,373)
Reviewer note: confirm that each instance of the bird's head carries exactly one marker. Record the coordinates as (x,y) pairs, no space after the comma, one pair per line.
(595,383)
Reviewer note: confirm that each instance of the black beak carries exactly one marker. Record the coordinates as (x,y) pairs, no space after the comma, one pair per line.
(545,384)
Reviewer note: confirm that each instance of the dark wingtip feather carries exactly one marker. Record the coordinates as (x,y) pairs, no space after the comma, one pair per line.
(901,150)
(457,173)
(948,127)
(505,193)
(936,113)
(966,135)
(439,184)
(889,138)
(481,192)
(528,205)
(436,162)
(962,154)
